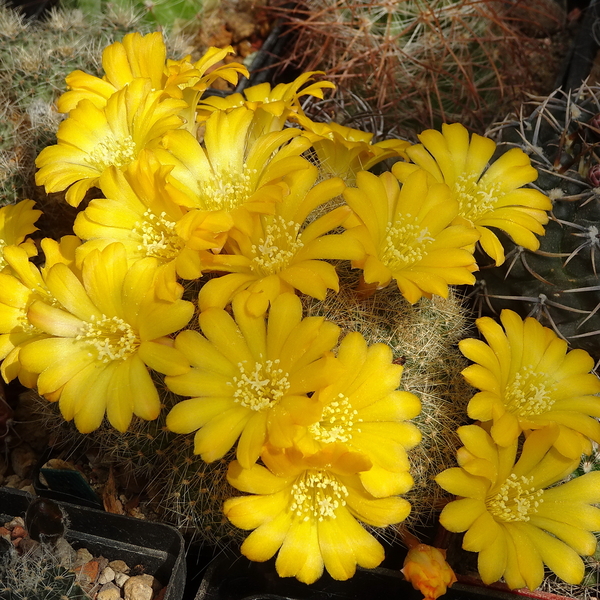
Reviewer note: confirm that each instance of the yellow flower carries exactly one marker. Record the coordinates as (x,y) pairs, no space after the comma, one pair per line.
(426,568)
(407,235)
(343,151)
(140,210)
(230,173)
(510,517)
(16,222)
(281,255)
(93,139)
(308,509)
(488,196)
(100,333)
(529,380)
(272,106)
(21,284)
(140,56)
(364,410)
(248,374)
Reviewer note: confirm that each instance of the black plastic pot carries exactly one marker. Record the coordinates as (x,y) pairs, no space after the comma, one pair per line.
(240,579)
(157,547)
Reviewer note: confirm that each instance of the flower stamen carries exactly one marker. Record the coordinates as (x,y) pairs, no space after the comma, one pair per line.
(516,500)
(317,495)
(227,189)
(111,337)
(530,393)
(111,152)
(405,245)
(275,251)
(157,236)
(261,388)
(474,198)
(337,422)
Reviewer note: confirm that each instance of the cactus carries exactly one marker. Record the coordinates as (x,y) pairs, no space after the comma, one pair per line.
(422,63)
(558,284)
(38,575)
(183,490)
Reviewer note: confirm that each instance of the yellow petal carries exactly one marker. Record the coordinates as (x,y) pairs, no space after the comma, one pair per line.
(164,359)
(264,541)
(459,515)
(300,555)
(218,436)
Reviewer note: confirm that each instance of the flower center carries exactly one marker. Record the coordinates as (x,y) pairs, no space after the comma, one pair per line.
(337,422)
(275,251)
(261,388)
(111,337)
(475,199)
(516,500)
(111,152)
(530,393)
(227,189)
(157,236)
(25,326)
(317,495)
(405,245)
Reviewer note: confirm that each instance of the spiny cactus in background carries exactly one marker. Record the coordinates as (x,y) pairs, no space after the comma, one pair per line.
(38,575)
(163,13)
(423,63)
(35,58)
(185,491)
(181,489)
(559,283)
(423,338)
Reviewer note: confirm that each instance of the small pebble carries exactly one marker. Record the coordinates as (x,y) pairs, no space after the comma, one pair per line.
(17,532)
(88,572)
(83,556)
(120,579)
(138,588)
(16,521)
(118,566)
(109,591)
(107,575)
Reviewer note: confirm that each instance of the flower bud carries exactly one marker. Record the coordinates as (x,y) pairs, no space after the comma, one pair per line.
(426,568)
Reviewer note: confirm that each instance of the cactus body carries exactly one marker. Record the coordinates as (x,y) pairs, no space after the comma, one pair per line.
(559,283)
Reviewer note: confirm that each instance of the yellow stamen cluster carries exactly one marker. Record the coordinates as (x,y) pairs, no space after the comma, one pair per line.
(157,236)
(111,337)
(228,189)
(516,500)
(337,422)
(111,152)
(317,495)
(530,393)
(405,245)
(279,246)
(475,199)
(261,388)
(25,326)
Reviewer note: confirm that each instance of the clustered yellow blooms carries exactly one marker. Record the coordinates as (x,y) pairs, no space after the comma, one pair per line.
(250,192)
(538,412)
